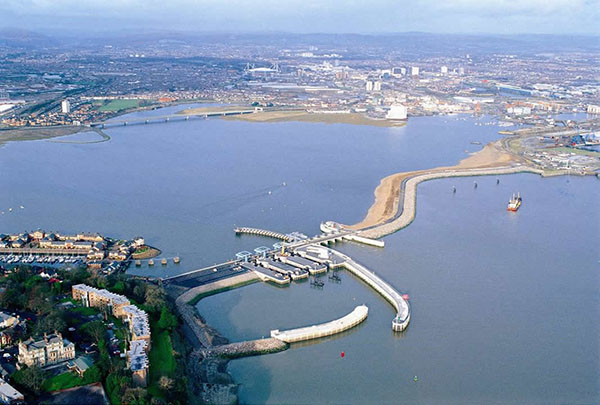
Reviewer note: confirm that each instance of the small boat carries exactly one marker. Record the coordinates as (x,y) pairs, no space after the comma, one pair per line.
(176,260)
(138,263)
(514,203)
(163,262)
(151,262)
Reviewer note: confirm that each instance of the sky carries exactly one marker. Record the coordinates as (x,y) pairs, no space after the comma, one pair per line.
(306,16)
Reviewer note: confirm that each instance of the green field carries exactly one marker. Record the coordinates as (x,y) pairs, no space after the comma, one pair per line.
(161,359)
(118,105)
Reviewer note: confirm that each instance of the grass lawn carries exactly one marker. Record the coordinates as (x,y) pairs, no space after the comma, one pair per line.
(161,359)
(86,311)
(61,382)
(118,105)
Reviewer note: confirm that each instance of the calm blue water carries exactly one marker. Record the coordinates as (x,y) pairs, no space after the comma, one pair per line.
(184,185)
(505,306)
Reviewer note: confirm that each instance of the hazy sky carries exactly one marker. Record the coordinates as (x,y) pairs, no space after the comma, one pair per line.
(342,16)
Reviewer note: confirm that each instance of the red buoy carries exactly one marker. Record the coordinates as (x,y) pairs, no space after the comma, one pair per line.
(342,354)
(405,296)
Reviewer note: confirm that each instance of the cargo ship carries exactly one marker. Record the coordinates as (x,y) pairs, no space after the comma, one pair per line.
(514,203)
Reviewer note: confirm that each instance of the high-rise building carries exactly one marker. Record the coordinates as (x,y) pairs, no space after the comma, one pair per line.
(65,107)
(461,71)
(369,85)
(444,70)
(414,71)
(377,86)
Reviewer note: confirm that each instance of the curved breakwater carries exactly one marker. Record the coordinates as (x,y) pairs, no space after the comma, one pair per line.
(349,321)
(408,195)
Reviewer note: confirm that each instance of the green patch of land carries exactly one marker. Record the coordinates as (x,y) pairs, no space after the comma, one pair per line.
(85,311)
(70,380)
(118,105)
(162,361)
(576,151)
(145,252)
(201,110)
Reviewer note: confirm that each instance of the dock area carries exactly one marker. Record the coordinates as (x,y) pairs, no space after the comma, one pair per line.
(291,271)
(266,274)
(355,317)
(302,263)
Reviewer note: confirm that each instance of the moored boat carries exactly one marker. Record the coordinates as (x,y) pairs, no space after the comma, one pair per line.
(514,203)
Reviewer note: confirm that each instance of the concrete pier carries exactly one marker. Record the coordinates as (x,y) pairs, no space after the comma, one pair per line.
(262,232)
(402,318)
(355,317)
(247,348)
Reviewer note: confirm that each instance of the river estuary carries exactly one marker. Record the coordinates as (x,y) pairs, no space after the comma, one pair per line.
(505,306)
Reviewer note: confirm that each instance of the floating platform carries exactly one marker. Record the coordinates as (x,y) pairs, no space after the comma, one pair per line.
(294,272)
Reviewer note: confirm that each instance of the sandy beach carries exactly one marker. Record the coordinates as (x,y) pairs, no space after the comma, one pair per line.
(387,193)
(304,116)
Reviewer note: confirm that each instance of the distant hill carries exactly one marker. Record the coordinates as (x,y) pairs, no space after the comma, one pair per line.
(19,38)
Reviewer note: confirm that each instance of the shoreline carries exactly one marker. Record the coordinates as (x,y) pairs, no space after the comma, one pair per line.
(323,118)
(395,202)
(391,188)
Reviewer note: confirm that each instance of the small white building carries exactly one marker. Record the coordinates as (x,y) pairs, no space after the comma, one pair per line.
(397,112)
(7,320)
(414,71)
(593,109)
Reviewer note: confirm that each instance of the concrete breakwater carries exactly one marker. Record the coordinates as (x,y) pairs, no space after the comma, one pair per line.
(355,317)
(246,348)
(408,195)
(203,333)
(402,318)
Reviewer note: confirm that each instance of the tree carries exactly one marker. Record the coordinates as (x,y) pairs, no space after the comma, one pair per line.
(154,298)
(118,288)
(95,330)
(50,323)
(92,375)
(165,383)
(30,378)
(167,320)
(139,291)
(135,396)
